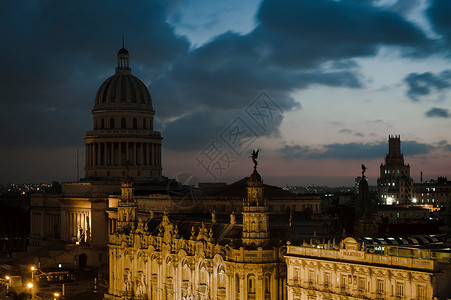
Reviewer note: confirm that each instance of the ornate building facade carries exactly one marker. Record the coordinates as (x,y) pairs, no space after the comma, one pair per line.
(180,258)
(369,269)
(394,184)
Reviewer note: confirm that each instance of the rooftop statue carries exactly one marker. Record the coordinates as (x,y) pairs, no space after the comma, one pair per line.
(254,156)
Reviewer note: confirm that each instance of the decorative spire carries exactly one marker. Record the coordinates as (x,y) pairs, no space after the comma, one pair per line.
(123,42)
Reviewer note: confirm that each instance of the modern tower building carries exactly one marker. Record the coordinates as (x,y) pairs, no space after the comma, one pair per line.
(394,184)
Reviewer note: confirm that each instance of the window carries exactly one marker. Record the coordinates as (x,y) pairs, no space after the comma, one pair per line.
(102,123)
(251,284)
(144,124)
(311,276)
(123,123)
(327,279)
(380,286)
(268,284)
(421,292)
(112,123)
(135,123)
(343,281)
(400,289)
(361,283)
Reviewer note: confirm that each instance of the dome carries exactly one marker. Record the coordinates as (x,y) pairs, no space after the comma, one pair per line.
(123,90)
(255,177)
(122,51)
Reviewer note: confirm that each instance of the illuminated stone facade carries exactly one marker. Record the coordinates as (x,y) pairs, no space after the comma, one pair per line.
(360,270)
(182,259)
(394,184)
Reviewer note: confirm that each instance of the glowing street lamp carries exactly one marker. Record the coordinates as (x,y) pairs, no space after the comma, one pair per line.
(32,271)
(56,295)
(30,286)
(7,282)
(414,200)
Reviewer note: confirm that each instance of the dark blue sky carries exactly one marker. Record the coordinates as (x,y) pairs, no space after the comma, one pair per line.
(343,74)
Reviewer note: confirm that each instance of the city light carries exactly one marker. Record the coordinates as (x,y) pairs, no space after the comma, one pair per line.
(389,201)
(29,285)
(414,200)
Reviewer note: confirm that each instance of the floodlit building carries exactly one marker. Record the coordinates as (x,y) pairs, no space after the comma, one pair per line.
(186,258)
(390,268)
(394,184)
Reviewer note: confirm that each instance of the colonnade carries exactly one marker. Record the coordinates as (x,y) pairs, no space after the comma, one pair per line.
(45,224)
(123,153)
(78,226)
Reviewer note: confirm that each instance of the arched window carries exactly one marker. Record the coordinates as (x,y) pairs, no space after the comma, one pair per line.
(112,123)
(135,123)
(268,284)
(144,124)
(251,284)
(221,277)
(102,123)
(123,123)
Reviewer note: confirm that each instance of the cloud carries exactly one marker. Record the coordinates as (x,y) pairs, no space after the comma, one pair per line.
(351,150)
(345,130)
(59,52)
(436,112)
(438,15)
(423,84)
(295,45)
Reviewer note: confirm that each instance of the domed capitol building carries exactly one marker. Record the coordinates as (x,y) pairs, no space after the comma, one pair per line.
(123,139)
(235,241)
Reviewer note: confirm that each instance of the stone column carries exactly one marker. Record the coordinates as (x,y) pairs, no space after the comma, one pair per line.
(127,156)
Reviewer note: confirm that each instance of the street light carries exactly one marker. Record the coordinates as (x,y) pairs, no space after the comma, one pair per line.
(56,295)
(7,282)
(30,286)
(32,271)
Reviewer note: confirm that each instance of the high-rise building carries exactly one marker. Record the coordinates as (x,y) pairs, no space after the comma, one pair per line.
(394,184)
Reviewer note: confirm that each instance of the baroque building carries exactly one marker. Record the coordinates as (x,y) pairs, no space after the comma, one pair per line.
(390,268)
(394,184)
(186,258)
